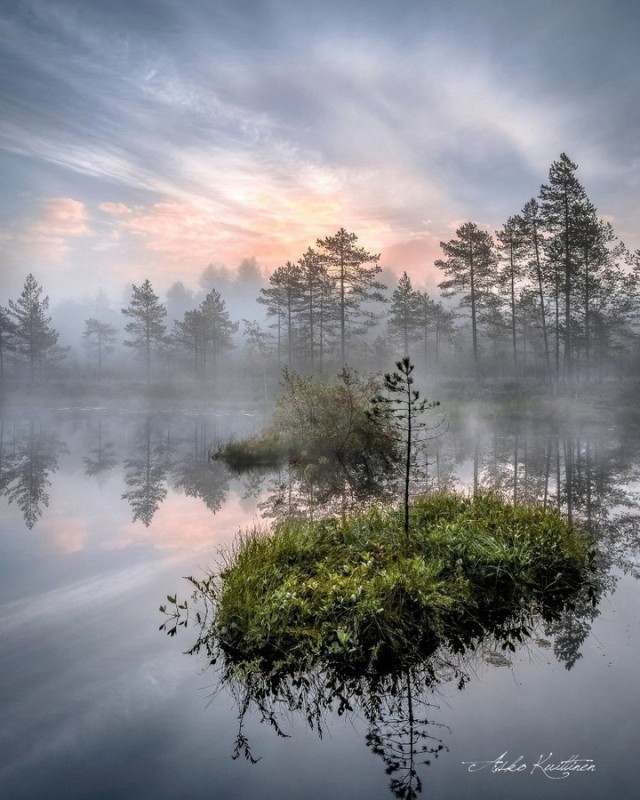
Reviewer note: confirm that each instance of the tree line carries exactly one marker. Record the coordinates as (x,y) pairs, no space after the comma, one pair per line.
(552,294)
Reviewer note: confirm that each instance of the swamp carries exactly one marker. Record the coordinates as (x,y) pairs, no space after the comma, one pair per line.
(106,509)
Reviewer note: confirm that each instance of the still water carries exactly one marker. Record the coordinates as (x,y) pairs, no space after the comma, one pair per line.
(103,512)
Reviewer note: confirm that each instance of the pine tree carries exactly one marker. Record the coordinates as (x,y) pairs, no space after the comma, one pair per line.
(147,328)
(207,331)
(530,224)
(32,333)
(217,329)
(470,264)
(563,199)
(405,313)
(7,334)
(100,337)
(356,284)
(283,300)
(179,300)
(443,326)
(403,407)
(317,309)
(511,247)
(189,334)
(592,237)
(258,349)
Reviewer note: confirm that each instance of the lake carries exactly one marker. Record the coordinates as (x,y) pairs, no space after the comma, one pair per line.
(104,511)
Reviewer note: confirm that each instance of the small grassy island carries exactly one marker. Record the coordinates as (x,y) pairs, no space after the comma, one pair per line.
(382,587)
(367,604)
(358,596)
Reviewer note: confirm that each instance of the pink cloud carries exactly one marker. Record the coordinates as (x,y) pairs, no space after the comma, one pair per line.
(415,256)
(63,217)
(49,237)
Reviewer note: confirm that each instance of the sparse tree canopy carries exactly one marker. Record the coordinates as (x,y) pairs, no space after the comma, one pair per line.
(403,407)
(32,334)
(405,313)
(470,267)
(356,283)
(147,328)
(99,336)
(207,331)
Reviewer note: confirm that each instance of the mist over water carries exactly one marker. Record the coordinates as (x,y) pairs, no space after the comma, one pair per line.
(103,512)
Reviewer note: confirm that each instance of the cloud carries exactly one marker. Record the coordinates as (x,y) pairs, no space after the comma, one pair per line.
(116,209)
(63,217)
(205,132)
(51,232)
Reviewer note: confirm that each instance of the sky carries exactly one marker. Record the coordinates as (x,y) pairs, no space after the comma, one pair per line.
(150,138)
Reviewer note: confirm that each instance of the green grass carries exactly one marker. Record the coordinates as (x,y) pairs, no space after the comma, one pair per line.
(358,594)
(266,449)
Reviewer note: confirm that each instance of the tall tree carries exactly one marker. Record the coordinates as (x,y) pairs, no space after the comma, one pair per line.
(7,332)
(563,199)
(188,334)
(179,300)
(530,224)
(207,331)
(511,248)
(318,308)
(33,335)
(283,300)
(443,326)
(99,336)
(356,283)
(147,327)
(217,329)
(259,350)
(593,237)
(405,313)
(469,264)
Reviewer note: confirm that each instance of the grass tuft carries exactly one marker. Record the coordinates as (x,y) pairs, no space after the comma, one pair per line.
(357,593)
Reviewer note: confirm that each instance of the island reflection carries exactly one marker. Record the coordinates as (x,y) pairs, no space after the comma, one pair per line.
(396,705)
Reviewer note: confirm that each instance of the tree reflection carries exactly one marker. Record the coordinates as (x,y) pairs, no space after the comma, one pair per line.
(401,737)
(395,701)
(146,474)
(591,476)
(29,453)
(326,486)
(100,459)
(197,474)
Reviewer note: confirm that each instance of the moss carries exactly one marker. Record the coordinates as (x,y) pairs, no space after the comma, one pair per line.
(359,594)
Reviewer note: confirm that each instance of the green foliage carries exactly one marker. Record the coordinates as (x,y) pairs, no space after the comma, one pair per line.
(319,419)
(403,407)
(356,596)
(146,329)
(28,327)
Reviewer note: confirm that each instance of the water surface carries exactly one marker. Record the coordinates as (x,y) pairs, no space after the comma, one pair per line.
(102,514)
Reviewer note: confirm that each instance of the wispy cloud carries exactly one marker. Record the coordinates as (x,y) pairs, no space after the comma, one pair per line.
(228,133)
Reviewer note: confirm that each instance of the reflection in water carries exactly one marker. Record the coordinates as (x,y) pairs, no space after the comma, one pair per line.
(396,705)
(29,453)
(100,459)
(146,472)
(324,487)
(592,476)
(152,451)
(591,473)
(197,474)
